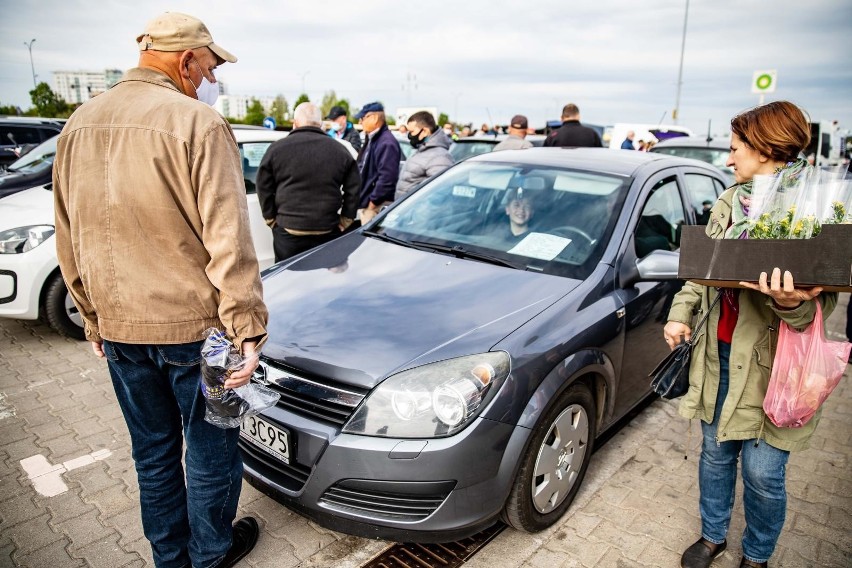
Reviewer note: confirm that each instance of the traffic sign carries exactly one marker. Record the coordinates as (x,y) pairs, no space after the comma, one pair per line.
(269,123)
(764,81)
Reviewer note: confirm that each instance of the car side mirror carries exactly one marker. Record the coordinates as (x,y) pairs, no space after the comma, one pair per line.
(659,265)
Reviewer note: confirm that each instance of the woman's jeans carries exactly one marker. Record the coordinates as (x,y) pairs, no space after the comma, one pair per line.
(764,492)
(158,390)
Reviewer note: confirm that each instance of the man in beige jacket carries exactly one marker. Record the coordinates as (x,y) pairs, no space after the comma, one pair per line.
(152,235)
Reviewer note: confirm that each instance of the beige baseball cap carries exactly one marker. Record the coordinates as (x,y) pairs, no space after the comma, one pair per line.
(174,31)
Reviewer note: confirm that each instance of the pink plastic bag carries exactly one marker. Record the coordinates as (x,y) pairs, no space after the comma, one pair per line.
(806,369)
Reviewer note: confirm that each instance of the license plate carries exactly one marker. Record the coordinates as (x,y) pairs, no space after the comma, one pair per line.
(271,439)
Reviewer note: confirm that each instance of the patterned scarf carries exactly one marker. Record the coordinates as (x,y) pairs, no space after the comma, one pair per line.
(742,197)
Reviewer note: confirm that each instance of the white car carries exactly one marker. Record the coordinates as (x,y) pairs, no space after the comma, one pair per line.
(30,282)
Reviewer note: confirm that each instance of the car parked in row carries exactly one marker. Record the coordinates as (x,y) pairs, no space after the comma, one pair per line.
(31,285)
(439,371)
(32,169)
(19,135)
(463,148)
(714,151)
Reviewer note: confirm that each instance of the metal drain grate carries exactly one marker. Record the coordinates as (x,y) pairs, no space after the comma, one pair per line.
(446,555)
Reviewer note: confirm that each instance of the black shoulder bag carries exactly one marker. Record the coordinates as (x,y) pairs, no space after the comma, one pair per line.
(671,376)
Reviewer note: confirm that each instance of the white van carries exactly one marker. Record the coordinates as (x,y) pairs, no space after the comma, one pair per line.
(646,132)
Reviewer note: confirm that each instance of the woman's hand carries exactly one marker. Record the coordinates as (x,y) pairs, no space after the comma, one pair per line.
(675,332)
(785,295)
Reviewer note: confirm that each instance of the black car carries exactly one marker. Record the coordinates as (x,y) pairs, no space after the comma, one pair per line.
(32,169)
(18,135)
(439,372)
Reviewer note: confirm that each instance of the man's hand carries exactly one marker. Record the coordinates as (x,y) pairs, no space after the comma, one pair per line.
(368,214)
(785,295)
(242,376)
(98,348)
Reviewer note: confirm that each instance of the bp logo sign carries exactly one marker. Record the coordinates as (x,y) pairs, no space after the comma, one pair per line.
(764,81)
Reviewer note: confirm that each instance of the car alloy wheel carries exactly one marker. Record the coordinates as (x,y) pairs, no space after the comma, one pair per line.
(555,462)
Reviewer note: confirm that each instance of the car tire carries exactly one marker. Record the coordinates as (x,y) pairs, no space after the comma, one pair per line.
(58,307)
(555,462)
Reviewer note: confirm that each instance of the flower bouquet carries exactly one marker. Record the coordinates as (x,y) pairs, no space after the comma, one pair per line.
(796,206)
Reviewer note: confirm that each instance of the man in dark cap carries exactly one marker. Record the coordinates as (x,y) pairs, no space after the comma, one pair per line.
(517,135)
(378,162)
(341,128)
(152,236)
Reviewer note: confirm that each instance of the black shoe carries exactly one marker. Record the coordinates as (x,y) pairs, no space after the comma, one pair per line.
(745,563)
(246,532)
(702,553)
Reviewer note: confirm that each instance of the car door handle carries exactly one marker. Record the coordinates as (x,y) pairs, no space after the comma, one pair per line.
(620,313)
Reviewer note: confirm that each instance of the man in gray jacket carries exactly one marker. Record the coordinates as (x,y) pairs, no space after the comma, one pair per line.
(432,156)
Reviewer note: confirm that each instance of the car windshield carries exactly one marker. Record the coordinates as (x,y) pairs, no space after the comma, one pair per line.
(547,219)
(36,160)
(463,150)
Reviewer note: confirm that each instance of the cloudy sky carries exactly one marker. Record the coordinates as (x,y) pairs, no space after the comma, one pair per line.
(476,60)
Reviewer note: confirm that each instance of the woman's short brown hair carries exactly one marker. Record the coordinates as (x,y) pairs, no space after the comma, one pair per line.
(779,130)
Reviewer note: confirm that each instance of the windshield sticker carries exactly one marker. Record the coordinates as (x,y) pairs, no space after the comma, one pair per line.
(464,191)
(254,153)
(541,246)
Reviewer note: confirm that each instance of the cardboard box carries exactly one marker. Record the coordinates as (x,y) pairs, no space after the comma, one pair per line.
(825,260)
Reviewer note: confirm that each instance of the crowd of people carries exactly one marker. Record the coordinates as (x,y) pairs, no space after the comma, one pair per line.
(146,177)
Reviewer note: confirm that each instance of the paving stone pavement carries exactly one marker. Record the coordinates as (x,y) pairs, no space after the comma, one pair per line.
(637,507)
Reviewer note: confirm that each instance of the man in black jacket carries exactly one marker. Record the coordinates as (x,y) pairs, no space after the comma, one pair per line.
(572,134)
(307,186)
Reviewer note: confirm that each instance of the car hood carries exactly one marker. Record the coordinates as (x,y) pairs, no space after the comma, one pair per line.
(32,206)
(12,182)
(359,309)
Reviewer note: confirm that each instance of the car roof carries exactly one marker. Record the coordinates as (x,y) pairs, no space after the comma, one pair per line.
(244,135)
(603,160)
(481,138)
(718,143)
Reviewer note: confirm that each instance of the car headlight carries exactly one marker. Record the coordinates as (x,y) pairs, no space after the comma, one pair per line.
(435,400)
(23,239)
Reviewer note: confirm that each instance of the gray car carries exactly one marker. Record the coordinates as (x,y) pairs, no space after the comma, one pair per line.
(713,151)
(439,372)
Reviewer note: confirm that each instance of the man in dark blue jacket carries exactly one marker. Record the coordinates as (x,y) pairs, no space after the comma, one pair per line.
(378,162)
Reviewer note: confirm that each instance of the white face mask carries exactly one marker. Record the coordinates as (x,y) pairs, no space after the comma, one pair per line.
(206,92)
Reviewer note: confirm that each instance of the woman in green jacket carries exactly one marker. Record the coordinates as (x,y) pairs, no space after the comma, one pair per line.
(731,361)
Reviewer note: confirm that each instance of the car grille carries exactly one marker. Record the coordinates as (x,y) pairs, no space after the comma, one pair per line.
(385,504)
(314,397)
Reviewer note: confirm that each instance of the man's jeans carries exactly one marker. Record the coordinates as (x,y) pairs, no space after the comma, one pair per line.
(764,494)
(158,390)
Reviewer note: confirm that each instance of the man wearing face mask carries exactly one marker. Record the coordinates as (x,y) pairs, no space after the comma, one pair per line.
(152,236)
(341,128)
(432,155)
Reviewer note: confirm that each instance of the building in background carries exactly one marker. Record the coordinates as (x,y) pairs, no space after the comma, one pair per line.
(236,106)
(79,86)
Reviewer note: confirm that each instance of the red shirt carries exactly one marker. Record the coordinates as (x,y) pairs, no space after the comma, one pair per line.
(730,310)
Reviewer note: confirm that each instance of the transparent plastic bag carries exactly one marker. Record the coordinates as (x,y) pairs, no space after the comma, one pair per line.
(806,369)
(226,408)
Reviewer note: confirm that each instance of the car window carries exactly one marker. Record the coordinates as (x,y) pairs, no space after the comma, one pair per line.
(37,160)
(463,150)
(702,191)
(21,135)
(713,156)
(662,217)
(564,221)
(250,155)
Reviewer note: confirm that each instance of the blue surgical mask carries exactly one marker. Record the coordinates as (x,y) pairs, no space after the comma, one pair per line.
(335,126)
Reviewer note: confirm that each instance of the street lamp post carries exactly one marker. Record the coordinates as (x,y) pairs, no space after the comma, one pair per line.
(29,45)
(305,74)
(680,70)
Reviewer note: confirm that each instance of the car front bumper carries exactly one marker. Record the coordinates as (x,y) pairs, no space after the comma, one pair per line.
(22,277)
(430,490)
